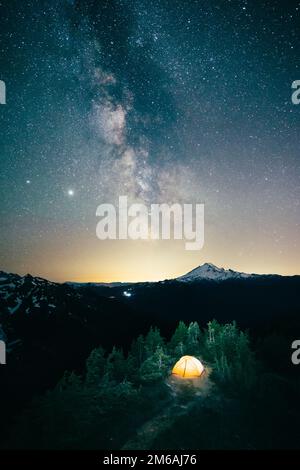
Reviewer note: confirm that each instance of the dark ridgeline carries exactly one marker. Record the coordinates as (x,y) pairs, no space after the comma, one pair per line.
(50,327)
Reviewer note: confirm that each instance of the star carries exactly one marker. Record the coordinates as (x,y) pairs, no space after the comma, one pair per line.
(163,111)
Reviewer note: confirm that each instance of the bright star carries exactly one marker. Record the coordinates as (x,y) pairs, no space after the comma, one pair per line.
(70,192)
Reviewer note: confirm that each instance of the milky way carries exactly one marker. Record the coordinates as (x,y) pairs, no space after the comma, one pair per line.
(163,101)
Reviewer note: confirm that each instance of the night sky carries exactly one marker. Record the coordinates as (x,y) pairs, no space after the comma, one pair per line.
(163,101)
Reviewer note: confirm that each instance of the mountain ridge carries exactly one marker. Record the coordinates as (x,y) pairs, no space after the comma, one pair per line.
(210,271)
(206,271)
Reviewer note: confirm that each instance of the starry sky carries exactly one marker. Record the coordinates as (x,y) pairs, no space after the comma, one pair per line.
(163,101)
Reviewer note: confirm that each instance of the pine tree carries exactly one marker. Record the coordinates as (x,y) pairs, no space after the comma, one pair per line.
(132,367)
(115,366)
(156,366)
(152,341)
(179,339)
(95,367)
(194,338)
(137,350)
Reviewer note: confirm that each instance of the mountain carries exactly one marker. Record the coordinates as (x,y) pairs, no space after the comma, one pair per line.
(98,284)
(50,327)
(47,321)
(209,271)
(25,293)
(204,272)
(32,307)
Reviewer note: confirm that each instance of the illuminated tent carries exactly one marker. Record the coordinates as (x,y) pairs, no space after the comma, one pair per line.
(188,367)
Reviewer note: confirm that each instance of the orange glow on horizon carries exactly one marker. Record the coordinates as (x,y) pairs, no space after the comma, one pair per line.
(91,260)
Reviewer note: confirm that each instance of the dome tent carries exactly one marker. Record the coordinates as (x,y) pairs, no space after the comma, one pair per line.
(188,367)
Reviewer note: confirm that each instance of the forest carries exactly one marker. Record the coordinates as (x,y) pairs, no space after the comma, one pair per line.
(127,400)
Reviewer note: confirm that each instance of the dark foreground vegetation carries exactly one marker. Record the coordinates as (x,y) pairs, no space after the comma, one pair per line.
(251,403)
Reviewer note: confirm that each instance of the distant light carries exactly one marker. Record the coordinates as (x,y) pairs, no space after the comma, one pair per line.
(127,294)
(28,181)
(70,192)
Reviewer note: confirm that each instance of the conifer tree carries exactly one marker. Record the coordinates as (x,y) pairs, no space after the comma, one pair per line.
(95,367)
(137,350)
(156,366)
(115,366)
(194,338)
(179,338)
(153,340)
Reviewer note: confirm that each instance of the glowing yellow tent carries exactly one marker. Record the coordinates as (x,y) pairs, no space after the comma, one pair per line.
(188,367)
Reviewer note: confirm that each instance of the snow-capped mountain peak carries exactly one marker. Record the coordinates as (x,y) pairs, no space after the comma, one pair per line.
(209,271)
